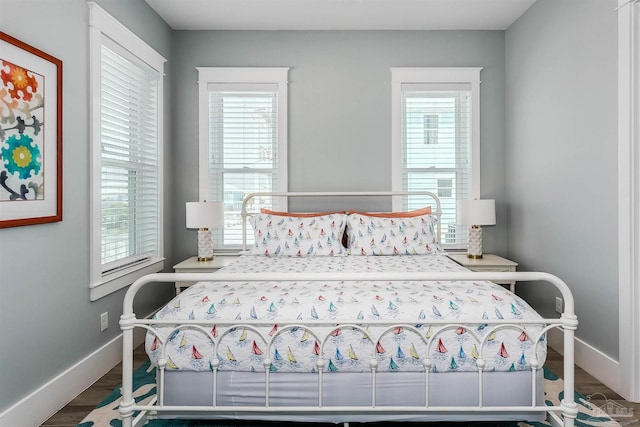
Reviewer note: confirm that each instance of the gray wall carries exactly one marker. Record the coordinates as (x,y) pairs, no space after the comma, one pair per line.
(339,104)
(48,323)
(562,156)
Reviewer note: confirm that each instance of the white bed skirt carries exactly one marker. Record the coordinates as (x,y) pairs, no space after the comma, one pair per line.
(353,389)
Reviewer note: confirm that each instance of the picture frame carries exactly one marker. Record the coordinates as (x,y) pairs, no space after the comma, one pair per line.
(30,135)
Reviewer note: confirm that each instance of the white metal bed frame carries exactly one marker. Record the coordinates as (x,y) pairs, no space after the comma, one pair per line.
(567,322)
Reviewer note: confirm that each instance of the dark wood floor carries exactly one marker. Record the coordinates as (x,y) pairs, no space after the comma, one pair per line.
(588,386)
(79,407)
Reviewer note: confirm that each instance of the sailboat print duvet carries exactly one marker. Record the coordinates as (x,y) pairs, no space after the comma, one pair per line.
(421,306)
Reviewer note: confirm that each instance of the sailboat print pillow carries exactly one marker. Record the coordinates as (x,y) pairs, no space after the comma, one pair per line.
(277,235)
(369,235)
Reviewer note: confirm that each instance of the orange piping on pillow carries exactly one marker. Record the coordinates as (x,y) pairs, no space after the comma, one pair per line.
(299,215)
(409,214)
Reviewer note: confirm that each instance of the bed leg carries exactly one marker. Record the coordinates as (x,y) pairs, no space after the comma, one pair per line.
(568,404)
(127,403)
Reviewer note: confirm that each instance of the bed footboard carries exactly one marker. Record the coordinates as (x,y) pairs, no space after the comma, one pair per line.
(567,322)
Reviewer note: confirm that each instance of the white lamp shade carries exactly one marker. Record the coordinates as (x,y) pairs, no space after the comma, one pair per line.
(204,215)
(476,212)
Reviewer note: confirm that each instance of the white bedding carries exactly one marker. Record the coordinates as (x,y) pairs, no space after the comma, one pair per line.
(351,349)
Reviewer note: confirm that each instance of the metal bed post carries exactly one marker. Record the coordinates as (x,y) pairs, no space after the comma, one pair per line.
(267,383)
(570,324)
(162,365)
(126,406)
(374,369)
(320,364)
(127,324)
(480,365)
(427,371)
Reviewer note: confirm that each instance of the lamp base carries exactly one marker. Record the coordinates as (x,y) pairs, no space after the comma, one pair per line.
(205,245)
(474,245)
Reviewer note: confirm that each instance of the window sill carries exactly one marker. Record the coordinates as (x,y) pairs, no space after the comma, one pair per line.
(114,282)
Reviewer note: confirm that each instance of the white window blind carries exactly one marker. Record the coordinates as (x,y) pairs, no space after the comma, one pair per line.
(435,141)
(245,143)
(437,151)
(126,155)
(129,160)
(243,147)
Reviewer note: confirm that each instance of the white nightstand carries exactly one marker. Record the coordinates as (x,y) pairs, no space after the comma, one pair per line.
(192,265)
(488,262)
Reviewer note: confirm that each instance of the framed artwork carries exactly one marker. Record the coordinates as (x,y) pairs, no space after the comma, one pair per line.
(30,135)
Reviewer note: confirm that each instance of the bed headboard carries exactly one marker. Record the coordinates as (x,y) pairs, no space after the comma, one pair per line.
(431,199)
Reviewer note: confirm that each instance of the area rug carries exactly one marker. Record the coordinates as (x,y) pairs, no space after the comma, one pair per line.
(106,413)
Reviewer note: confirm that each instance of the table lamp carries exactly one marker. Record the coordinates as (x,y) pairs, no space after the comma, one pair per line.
(204,215)
(476,213)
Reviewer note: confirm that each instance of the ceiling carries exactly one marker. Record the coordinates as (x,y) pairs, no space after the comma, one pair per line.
(340,14)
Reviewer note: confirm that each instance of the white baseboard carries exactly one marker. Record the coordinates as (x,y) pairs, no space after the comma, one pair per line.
(52,396)
(596,363)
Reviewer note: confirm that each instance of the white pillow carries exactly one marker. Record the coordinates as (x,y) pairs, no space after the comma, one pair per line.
(370,235)
(277,235)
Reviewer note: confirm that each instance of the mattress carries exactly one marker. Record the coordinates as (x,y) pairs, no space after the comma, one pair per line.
(330,321)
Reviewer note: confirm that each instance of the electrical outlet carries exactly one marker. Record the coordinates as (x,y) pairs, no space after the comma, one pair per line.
(104,321)
(559,305)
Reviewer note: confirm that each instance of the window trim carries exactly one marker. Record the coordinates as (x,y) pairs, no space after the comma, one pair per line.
(627,382)
(101,24)
(240,75)
(432,75)
(208,76)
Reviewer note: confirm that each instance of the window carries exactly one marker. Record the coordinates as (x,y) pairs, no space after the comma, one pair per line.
(436,134)
(243,141)
(431,124)
(445,187)
(126,156)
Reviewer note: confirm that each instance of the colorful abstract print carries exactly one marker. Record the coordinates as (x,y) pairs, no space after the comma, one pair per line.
(21,137)
(408,312)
